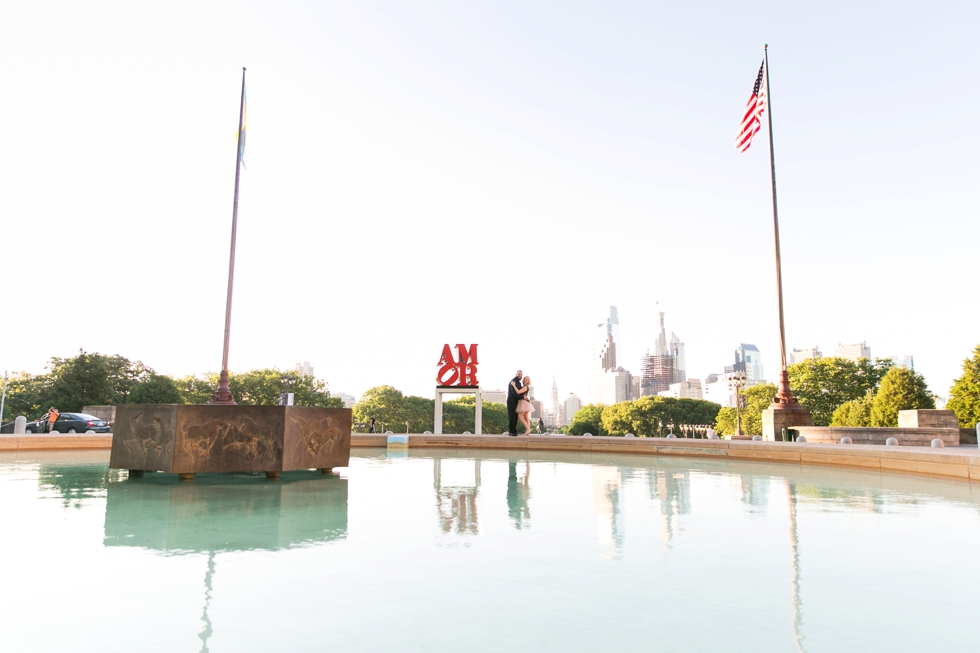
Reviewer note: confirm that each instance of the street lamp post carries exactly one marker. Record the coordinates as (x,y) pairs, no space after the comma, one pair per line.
(736,381)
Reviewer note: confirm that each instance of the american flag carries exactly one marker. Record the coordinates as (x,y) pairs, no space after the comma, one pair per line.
(752,122)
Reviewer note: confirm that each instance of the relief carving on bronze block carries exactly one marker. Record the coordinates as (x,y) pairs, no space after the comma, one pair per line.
(194,439)
(316,437)
(228,439)
(143,437)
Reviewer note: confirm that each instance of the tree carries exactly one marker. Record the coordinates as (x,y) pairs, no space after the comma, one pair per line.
(26,394)
(856,412)
(901,389)
(823,384)
(155,389)
(197,390)
(655,416)
(459,415)
(757,399)
(617,419)
(92,380)
(392,409)
(964,396)
(261,388)
(588,419)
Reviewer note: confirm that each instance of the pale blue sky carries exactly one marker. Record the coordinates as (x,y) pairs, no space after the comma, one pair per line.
(402,155)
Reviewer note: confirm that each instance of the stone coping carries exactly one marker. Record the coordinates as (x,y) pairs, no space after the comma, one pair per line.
(951,462)
(41,442)
(954,462)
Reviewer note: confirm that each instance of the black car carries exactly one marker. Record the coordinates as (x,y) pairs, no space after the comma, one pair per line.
(70,423)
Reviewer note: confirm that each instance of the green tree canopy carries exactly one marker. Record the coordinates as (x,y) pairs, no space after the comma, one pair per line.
(155,389)
(392,409)
(588,419)
(88,379)
(656,416)
(964,396)
(757,399)
(856,412)
(823,384)
(260,388)
(459,415)
(901,389)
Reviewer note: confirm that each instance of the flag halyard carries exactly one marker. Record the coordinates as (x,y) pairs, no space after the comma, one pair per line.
(752,120)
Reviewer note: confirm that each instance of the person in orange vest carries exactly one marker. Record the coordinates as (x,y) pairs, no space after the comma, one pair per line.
(52,418)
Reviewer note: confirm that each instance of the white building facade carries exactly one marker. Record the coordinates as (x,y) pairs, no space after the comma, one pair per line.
(571,406)
(853,352)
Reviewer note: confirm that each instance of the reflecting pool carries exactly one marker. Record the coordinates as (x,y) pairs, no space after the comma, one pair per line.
(486,551)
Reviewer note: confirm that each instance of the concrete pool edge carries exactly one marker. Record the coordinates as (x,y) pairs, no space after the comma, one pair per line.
(962,463)
(62,441)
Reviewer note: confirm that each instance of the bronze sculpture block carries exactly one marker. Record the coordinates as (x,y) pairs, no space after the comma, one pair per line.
(187,440)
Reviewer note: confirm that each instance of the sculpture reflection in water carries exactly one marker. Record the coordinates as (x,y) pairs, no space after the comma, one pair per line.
(225,513)
(456,504)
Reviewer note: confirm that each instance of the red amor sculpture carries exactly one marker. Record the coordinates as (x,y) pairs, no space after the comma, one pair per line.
(461,372)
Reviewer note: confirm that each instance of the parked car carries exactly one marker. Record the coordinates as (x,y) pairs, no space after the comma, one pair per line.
(69,423)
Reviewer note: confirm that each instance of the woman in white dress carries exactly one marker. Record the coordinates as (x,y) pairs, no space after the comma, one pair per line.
(524,406)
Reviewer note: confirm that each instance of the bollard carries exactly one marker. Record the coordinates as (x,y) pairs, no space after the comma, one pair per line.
(937,443)
(846,440)
(20,425)
(891,442)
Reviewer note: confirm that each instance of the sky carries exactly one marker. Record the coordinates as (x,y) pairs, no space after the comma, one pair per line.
(495,173)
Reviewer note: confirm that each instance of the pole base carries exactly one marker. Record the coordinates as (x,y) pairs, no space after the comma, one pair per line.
(222,396)
(779,417)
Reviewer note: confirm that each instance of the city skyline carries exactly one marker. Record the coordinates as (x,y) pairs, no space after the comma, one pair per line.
(376,130)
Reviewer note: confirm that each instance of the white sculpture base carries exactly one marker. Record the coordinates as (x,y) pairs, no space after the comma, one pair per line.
(459,390)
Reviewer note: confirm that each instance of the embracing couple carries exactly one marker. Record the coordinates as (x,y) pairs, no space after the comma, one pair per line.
(518,404)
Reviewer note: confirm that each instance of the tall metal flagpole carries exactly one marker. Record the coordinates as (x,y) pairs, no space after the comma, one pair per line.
(784,397)
(223,394)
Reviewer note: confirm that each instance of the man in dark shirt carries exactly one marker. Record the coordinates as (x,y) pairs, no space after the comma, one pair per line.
(512,398)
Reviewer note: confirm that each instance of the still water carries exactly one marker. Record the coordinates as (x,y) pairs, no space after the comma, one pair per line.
(487,551)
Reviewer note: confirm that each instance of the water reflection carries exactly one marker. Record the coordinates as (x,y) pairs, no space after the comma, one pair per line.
(75,483)
(607,507)
(518,495)
(456,504)
(223,513)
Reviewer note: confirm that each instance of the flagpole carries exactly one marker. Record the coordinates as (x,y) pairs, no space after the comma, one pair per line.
(784,397)
(223,394)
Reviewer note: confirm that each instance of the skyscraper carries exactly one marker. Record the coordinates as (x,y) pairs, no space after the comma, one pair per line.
(572,405)
(555,405)
(748,360)
(610,384)
(608,338)
(665,366)
(680,363)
